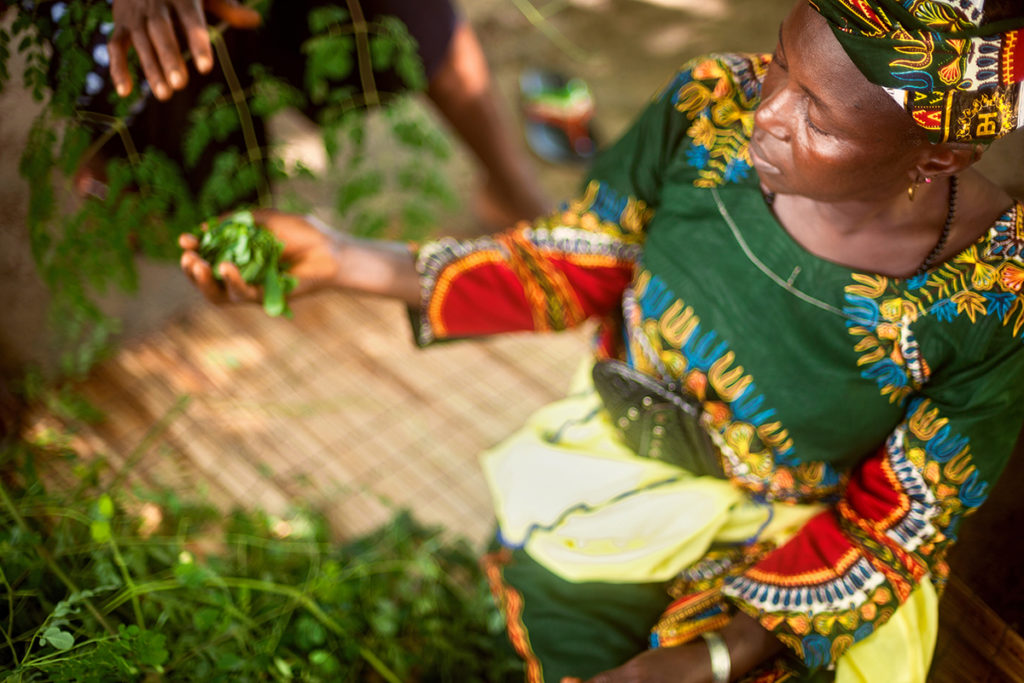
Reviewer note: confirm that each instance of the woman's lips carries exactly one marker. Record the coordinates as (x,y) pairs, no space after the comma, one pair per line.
(758,160)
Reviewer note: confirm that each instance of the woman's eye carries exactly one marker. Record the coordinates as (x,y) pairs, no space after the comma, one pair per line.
(808,108)
(810,124)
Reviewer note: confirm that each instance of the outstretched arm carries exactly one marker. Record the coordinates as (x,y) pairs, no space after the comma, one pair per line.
(549,275)
(318,257)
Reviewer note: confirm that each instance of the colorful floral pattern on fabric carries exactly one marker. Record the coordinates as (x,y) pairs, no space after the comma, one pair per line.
(926,53)
(689,616)
(600,209)
(757,451)
(718,96)
(984,280)
(896,512)
(852,567)
(518,263)
(1008,240)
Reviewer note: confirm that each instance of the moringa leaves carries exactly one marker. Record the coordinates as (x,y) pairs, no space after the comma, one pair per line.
(256,252)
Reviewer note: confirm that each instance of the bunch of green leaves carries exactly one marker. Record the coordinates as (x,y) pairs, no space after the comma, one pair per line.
(148,202)
(86,596)
(257,253)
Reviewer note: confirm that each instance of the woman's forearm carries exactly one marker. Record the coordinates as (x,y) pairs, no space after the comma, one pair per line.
(749,644)
(377,267)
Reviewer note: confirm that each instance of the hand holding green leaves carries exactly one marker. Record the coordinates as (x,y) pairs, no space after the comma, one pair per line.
(318,257)
(307,252)
(256,252)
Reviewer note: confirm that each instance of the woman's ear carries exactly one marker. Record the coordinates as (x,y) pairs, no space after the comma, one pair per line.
(948,158)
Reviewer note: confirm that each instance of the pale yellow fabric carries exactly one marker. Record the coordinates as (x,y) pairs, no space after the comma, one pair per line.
(567,489)
(901,650)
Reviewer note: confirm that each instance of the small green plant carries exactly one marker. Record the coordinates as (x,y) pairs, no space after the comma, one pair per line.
(92,589)
(237,239)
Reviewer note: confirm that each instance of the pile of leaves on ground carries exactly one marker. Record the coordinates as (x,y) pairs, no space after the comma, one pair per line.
(95,587)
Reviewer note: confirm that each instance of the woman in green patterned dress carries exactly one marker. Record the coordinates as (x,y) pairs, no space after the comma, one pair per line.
(808,368)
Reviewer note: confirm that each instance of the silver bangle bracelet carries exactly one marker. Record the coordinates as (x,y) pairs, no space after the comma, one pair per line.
(721,662)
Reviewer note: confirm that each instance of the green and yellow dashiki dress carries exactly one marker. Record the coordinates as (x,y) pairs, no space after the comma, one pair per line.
(859,418)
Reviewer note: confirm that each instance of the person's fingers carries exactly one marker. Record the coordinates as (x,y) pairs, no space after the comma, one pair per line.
(117,49)
(234,13)
(188,241)
(199,272)
(150,65)
(193,23)
(168,52)
(238,290)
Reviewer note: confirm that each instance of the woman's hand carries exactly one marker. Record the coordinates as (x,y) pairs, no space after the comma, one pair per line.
(148,26)
(310,253)
(687,663)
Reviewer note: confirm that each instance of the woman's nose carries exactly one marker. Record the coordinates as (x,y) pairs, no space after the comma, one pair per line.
(775,114)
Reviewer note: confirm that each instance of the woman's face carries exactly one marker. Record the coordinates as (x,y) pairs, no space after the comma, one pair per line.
(822,130)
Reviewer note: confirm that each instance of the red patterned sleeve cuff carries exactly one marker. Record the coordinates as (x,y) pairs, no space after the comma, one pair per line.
(530,278)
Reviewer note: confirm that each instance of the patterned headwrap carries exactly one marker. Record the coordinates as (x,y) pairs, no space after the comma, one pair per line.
(957,66)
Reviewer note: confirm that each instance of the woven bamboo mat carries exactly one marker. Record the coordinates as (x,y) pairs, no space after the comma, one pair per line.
(335,408)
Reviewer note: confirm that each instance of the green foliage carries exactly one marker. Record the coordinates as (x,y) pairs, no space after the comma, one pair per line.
(334,53)
(257,253)
(271,95)
(88,593)
(24,30)
(395,47)
(148,201)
